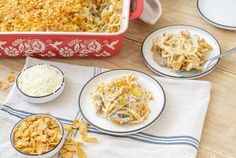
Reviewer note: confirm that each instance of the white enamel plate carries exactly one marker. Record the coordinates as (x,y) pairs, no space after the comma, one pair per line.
(88,110)
(220,13)
(168,72)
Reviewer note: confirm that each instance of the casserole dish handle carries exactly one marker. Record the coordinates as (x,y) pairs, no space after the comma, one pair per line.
(138,9)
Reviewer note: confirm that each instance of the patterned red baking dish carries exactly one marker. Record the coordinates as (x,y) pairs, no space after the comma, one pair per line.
(68,44)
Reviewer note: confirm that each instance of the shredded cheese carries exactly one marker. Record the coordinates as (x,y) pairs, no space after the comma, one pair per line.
(40,80)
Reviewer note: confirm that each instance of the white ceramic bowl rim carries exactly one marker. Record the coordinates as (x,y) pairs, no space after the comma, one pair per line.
(182,77)
(46,115)
(132,131)
(63,81)
(213,22)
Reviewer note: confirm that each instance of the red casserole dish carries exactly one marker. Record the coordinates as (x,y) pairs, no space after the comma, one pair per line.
(65,44)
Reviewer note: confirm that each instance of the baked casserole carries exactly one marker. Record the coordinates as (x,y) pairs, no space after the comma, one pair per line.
(60,15)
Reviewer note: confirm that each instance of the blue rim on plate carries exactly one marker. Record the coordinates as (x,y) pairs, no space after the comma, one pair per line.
(63,81)
(180,77)
(17,124)
(213,22)
(126,132)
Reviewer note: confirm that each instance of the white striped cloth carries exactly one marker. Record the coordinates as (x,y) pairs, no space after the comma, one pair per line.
(151,12)
(176,134)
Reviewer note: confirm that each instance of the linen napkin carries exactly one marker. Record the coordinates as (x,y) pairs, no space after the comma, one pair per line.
(151,11)
(176,134)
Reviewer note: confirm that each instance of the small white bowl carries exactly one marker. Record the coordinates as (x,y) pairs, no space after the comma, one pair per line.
(46,154)
(41,99)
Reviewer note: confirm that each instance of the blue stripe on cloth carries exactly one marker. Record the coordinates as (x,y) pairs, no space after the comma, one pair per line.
(167,142)
(144,137)
(180,139)
(23,115)
(169,137)
(31,113)
(155,141)
(172,141)
(160,138)
(12,114)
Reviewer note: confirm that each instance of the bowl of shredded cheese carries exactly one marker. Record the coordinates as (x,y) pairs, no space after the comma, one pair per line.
(40,83)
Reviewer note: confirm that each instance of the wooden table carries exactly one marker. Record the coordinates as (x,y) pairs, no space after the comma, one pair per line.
(219,134)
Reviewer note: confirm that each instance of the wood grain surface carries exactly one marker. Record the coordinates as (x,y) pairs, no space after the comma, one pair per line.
(219,134)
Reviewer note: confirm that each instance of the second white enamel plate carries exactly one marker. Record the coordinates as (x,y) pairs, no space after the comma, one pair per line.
(88,110)
(168,72)
(220,13)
